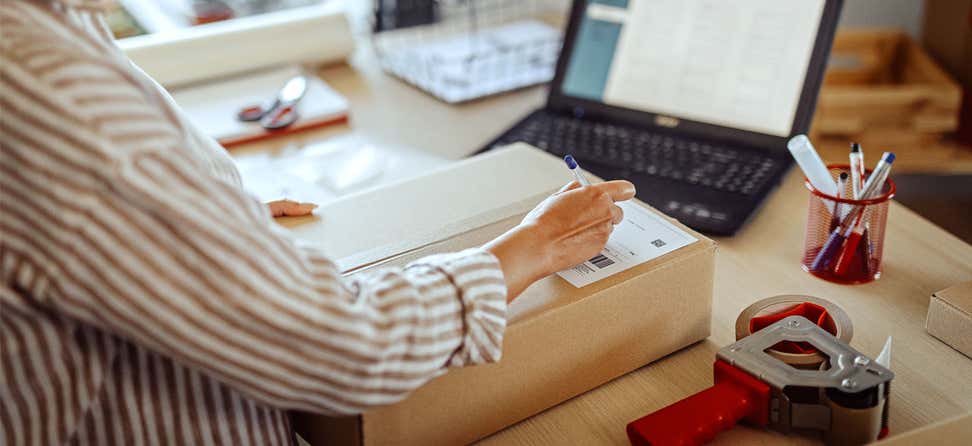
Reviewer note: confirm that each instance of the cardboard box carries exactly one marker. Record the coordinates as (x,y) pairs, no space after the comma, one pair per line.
(560,340)
(956,431)
(950,317)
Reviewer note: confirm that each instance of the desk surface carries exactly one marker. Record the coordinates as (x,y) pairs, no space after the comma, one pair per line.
(933,381)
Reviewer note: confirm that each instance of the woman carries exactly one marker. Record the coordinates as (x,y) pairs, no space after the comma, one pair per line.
(147,299)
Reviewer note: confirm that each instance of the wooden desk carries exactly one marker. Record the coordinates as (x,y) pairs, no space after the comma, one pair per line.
(393,115)
(933,381)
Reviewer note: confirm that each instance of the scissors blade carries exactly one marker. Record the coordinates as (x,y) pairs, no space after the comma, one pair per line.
(293,90)
(280,118)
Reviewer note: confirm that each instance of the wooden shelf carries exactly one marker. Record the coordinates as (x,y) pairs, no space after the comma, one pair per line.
(945,157)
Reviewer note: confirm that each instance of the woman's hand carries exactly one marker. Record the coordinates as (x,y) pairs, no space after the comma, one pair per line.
(288,208)
(566,229)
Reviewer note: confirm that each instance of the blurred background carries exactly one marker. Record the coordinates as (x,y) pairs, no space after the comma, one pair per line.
(133,17)
(899,79)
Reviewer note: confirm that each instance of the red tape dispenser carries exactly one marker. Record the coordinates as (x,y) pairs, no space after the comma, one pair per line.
(790,370)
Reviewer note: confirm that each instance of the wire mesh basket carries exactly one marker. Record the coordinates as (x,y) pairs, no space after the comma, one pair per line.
(846,257)
(459,50)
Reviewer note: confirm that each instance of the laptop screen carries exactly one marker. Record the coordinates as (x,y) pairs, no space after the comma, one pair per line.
(738,64)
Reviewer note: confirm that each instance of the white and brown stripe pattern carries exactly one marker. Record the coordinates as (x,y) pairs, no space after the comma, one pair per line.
(147,300)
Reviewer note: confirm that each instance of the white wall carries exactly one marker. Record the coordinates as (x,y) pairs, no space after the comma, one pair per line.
(905,14)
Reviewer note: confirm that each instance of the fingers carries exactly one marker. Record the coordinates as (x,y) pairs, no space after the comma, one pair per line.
(595,203)
(599,235)
(618,190)
(617,214)
(289,208)
(299,209)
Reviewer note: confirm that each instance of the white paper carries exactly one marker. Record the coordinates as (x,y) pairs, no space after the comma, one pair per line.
(213,106)
(324,171)
(739,64)
(640,237)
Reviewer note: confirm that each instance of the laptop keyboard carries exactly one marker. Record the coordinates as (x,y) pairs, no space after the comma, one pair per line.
(640,151)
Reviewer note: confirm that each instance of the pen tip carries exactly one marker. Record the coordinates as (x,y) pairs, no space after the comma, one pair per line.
(843,176)
(571,164)
(855,147)
(889,157)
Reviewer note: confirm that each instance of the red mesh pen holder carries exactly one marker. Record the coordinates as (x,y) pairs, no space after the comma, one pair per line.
(845,237)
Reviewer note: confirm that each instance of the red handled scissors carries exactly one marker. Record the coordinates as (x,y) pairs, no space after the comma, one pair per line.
(282,110)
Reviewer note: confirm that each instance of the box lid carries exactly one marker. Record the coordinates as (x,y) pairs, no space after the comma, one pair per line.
(394,219)
(487,195)
(958,297)
(391,219)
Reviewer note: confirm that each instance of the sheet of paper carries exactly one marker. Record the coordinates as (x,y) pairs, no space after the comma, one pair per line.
(642,236)
(324,171)
(213,106)
(739,64)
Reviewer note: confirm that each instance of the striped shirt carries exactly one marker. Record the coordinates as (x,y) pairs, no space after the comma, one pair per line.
(146,299)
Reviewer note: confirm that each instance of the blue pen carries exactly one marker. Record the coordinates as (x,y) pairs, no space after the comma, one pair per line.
(574,167)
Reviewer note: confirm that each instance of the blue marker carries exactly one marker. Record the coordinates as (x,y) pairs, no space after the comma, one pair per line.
(575,168)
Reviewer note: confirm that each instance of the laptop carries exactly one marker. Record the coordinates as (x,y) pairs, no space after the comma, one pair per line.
(690,100)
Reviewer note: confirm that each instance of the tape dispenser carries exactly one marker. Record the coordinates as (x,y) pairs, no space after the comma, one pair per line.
(790,370)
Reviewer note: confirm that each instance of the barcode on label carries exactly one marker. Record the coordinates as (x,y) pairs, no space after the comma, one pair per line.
(601,261)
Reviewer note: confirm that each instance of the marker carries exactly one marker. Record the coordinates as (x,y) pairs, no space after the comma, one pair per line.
(832,248)
(857,183)
(811,164)
(864,249)
(855,232)
(857,169)
(841,187)
(872,187)
(575,168)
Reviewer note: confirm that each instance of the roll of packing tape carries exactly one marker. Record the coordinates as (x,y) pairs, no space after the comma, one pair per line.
(825,313)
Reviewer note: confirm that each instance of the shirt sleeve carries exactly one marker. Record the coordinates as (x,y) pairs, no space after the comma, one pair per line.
(225,289)
(140,239)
